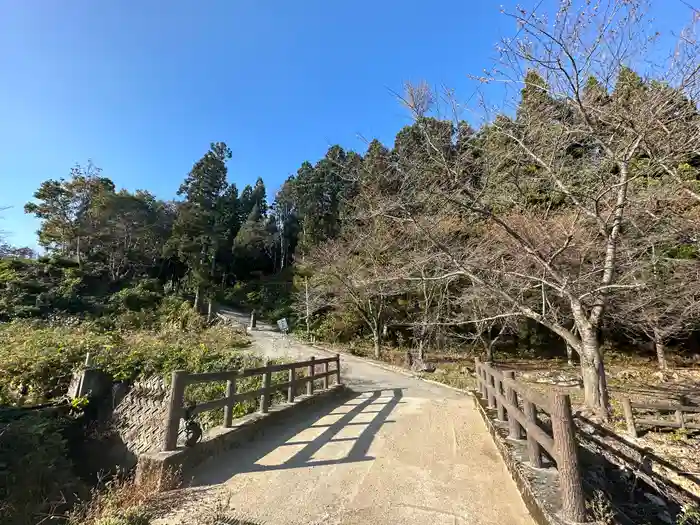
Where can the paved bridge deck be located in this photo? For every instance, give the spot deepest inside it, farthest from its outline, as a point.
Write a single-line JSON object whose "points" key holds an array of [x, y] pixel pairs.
{"points": [[398, 451]]}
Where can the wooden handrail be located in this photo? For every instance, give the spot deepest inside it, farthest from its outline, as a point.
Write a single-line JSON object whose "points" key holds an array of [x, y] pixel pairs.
{"points": [[501, 392], [208, 377], [633, 422], [181, 378]]}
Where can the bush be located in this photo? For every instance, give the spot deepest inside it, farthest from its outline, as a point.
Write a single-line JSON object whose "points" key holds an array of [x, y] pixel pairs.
{"points": [[146, 294], [35, 473], [270, 296], [37, 360]]}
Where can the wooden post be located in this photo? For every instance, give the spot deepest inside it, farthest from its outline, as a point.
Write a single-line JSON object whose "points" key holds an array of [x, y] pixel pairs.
{"points": [[253, 319], [265, 397], [680, 419], [573, 500], [484, 382], [292, 386], [325, 377], [477, 372], [175, 408], [310, 372], [629, 417], [534, 451], [337, 369], [501, 408], [228, 409], [492, 390], [514, 429]]}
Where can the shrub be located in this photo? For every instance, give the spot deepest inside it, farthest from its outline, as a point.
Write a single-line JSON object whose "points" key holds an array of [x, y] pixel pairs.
{"points": [[37, 360], [35, 473]]}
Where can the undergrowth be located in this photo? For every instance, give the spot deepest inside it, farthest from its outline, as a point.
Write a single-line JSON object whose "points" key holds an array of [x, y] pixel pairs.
{"points": [[37, 358]]}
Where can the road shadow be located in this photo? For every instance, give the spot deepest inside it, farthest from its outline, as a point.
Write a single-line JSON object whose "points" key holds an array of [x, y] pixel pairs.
{"points": [[370, 410]]}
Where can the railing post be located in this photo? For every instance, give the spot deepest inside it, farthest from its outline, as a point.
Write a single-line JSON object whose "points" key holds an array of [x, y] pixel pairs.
{"points": [[228, 409], [534, 451], [499, 405], [680, 419], [477, 373], [629, 417], [573, 500], [175, 407], [492, 390], [311, 371], [292, 386], [484, 382], [325, 377], [514, 429], [265, 397], [337, 369]]}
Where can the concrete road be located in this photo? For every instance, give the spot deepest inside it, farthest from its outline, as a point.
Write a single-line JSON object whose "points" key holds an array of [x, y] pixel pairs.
{"points": [[399, 451]]}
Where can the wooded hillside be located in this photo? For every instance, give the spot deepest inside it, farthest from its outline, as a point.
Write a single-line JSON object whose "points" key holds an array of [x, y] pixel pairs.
{"points": [[575, 209]]}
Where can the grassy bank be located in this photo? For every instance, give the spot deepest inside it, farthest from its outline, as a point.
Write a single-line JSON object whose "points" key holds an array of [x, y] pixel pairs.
{"points": [[37, 360]]}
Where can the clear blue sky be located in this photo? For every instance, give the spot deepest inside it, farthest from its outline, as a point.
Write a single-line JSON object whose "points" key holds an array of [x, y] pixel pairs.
{"points": [[142, 87]]}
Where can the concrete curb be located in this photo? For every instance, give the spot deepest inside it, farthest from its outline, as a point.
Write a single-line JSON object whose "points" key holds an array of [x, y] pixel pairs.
{"points": [[391, 368]]}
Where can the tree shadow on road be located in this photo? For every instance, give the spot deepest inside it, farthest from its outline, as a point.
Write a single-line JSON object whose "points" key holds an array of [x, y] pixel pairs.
{"points": [[326, 424]]}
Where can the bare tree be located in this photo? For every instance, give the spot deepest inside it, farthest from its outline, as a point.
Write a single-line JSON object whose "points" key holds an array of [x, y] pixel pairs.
{"points": [[311, 297], [488, 319], [547, 199], [668, 306], [353, 270]]}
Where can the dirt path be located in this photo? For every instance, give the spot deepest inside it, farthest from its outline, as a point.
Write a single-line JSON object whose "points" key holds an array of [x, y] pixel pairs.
{"points": [[399, 451]]}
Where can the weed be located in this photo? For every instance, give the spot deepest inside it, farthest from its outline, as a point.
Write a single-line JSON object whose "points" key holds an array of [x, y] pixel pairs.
{"points": [[600, 509]]}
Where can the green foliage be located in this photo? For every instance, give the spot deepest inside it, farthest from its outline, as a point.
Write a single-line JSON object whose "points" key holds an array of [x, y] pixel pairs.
{"points": [[145, 294], [35, 472], [270, 297], [339, 326], [130, 516], [690, 515], [39, 359]]}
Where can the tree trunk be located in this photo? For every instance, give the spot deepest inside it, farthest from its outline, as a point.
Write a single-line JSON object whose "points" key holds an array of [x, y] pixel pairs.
{"points": [[80, 261], [196, 298], [421, 349], [660, 348], [569, 355], [489, 352], [377, 339], [595, 391], [308, 308]]}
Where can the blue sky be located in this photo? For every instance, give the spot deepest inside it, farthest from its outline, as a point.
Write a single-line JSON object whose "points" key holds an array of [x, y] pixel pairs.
{"points": [[142, 87]]}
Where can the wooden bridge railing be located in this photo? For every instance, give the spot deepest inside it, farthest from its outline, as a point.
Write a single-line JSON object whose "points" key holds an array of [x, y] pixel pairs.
{"points": [[679, 412], [181, 378], [518, 405]]}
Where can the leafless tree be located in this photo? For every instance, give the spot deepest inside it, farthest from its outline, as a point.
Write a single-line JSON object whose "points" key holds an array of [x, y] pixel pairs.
{"points": [[353, 270], [666, 260], [547, 202]]}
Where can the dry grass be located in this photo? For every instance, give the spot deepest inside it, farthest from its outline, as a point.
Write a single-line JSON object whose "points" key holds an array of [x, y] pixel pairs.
{"points": [[122, 501]]}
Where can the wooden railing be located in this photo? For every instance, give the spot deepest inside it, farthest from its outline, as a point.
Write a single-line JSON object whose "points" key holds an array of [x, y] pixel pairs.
{"points": [[519, 405], [180, 380], [679, 412]]}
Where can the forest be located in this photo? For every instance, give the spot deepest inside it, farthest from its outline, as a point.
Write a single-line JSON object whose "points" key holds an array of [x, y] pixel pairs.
{"points": [[575, 211]]}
